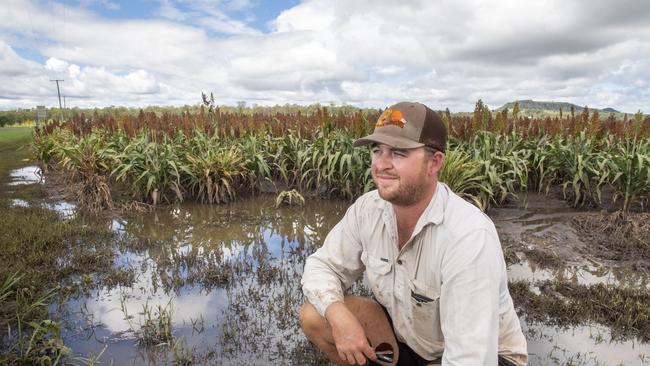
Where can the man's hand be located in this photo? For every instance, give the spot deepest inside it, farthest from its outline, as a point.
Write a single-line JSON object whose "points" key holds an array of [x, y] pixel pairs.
{"points": [[349, 336]]}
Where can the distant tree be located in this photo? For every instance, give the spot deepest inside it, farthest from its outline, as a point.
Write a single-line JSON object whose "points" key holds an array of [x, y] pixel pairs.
{"points": [[560, 112], [4, 120]]}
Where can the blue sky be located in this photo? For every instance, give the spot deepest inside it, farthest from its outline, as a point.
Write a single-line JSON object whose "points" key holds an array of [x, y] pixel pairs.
{"points": [[257, 14], [359, 52]]}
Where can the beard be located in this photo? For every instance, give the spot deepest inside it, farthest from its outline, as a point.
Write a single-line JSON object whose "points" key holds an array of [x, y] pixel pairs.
{"points": [[407, 192]]}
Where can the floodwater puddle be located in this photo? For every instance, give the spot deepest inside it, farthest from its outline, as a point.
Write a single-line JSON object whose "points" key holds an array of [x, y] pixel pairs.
{"points": [[17, 202], [587, 345], [32, 175], [228, 275], [586, 274], [25, 175], [65, 209]]}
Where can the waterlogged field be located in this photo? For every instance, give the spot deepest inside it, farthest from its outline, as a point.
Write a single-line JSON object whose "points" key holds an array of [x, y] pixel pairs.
{"points": [[159, 240]]}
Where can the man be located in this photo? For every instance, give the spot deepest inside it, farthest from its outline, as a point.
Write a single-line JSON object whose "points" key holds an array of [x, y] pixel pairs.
{"points": [[433, 261]]}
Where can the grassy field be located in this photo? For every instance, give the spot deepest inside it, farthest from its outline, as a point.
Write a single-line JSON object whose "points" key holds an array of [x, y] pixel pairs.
{"points": [[12, 135], [14, 148]]}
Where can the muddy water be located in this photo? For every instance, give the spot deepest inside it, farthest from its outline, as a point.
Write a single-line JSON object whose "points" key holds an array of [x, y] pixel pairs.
{"points": [[229, 276]]}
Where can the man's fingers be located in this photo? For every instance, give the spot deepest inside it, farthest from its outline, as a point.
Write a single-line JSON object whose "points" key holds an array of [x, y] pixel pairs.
{"points": [[343, 356], [360, 359], [369, 353], [349, 358]]}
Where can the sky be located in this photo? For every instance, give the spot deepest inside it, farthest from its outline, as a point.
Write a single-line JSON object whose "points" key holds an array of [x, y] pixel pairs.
{"points": [[444, 53]]}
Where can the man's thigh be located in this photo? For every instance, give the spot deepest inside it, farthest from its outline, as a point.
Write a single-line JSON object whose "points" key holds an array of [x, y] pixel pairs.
{"points": [[369, 313]]}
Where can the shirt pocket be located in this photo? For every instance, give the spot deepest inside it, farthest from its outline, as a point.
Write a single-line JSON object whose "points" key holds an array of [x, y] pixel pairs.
{"points": [[378, 271], [425, 312]]}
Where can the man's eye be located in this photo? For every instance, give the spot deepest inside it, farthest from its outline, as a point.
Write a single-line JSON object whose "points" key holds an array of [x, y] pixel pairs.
{"points": [[401, 154]]}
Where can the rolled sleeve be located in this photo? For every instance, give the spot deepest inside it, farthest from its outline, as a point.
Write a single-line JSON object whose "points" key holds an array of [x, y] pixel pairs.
{"points": [[335, 266]]}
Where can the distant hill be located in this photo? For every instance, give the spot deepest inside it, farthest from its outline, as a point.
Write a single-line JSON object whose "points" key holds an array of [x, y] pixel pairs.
{"points": [[541, 109]]}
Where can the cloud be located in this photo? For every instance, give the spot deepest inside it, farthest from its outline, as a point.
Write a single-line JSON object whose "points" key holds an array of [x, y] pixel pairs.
{"points": [[369, 53], [208, 14]]}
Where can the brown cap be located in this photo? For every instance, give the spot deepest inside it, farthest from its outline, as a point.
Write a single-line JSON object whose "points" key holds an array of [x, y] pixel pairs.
{"points": [[408, 125]]}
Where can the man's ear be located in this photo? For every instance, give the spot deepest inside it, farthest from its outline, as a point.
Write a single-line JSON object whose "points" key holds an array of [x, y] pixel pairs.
{"points": [[437, 160]]}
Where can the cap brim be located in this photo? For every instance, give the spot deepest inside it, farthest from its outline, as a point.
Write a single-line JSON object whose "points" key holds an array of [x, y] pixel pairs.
{"points": [[393, 141]]}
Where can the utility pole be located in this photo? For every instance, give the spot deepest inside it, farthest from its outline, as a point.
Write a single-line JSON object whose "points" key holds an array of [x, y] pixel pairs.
{"points": [[59, 92]]}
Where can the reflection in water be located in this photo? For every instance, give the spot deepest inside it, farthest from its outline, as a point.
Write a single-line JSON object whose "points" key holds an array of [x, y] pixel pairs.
{"points": [[25, 175], [231, 273], [65, 209], [583, 345], [232, 276], [584, 274], [17, 202]]}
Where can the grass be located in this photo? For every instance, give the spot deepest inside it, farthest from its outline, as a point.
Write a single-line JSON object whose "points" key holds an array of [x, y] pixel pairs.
{"points": [[12, 135], [14, 148], [42, 254], [155, 326], [290, 198]]}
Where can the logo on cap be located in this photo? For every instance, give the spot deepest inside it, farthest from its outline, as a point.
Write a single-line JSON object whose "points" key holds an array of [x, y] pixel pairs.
{"points": [[391, 117]]}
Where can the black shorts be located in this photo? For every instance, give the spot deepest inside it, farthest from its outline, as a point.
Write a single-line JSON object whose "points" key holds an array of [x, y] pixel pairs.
{"points": [[408, 357]]}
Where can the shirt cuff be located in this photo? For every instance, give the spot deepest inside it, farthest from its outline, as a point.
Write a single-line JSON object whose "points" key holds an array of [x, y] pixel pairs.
{"points": [[322, 299]]}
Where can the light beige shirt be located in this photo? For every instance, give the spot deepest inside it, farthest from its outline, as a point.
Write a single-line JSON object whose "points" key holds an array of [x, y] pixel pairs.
{"points": [[446, 290]]}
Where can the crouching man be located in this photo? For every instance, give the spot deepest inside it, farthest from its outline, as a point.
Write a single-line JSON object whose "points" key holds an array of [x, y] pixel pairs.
{"points": [[433, 261]]}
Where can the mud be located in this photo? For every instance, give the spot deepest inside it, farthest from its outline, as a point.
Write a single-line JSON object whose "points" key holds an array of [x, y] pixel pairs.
{"points": [[623, 238]]}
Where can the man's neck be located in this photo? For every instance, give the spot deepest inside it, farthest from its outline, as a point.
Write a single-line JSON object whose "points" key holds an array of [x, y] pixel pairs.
{"points": [[407, 216]]}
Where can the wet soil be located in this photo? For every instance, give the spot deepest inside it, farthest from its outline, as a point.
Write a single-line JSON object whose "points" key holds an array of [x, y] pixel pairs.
{"points": [[622, 238]]}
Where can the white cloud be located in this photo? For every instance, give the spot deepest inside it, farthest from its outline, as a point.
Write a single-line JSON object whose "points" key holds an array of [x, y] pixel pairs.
{"points": [[371, 53]]}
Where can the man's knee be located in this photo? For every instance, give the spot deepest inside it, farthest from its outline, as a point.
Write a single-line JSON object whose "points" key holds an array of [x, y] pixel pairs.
{"points": [[310, 320]]}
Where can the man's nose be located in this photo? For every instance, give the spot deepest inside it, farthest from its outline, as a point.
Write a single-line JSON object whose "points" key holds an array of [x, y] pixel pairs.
{"points": [[382, 161]]}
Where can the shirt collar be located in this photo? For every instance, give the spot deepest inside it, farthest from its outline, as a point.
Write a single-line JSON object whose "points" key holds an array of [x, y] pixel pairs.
{"points": [[432, 214], [435, 210]]}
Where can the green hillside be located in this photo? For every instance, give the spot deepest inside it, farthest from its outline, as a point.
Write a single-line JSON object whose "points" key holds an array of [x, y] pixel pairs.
{"points": [[550, 109]]}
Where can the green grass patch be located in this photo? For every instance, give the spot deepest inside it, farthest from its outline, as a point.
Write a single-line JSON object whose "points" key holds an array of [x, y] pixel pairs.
{"points": [[47, 250], [14, 149], [13, 135], [44, 257]]}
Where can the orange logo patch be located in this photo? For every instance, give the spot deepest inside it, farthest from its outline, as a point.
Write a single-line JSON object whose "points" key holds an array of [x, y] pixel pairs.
{"points": [[391, 117]]}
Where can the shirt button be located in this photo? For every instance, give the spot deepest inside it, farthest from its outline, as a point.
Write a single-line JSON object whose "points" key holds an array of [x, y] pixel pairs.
{"points": [[399, 261]]}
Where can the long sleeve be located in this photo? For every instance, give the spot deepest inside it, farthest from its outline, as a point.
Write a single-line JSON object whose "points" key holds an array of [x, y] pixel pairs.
{"points": [[335, 266]]}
